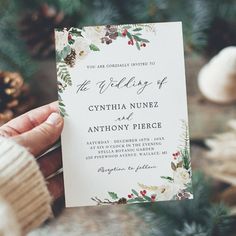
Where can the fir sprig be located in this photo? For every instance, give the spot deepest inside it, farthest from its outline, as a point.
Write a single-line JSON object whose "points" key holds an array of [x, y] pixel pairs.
{"points": [[190, 217], [13, 52], [63, 73]]}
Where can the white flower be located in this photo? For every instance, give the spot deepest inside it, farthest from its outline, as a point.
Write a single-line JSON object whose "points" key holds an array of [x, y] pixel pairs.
{"points": [[61, 38], [181, 177], [81, 47], [166, 192], [94, 34]]}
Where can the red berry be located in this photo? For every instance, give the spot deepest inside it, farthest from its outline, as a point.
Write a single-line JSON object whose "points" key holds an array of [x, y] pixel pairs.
{"points": [[69, 37], [124, 33], [153, 197], [129, 196], [129, 42], [144, 44], [132, 42], [143, 193]]}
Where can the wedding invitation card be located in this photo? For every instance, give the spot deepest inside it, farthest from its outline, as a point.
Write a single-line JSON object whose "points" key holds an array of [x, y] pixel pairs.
{"points": [[122, 93]]}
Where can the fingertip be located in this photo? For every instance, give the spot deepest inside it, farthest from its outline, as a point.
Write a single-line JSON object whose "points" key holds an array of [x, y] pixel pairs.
{"points": [[54, 119], [54, 106]]}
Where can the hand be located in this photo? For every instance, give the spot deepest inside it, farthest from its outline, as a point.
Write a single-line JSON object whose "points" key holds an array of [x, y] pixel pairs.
{"points": [[37, 130]]}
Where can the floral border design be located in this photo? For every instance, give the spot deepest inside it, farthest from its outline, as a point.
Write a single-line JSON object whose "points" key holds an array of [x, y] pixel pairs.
{"points": [[75, 44], [177, 187]]}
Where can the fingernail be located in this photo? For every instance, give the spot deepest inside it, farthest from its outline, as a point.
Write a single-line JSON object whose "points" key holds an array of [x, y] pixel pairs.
{"points": [[54, 119]]}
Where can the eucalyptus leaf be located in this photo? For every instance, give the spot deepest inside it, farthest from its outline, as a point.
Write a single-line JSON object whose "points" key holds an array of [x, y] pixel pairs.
{"points": [[139, 199], [113, 195], [167, 178], [93, 47], [145, 40], [58, 57], [135, 192], [129, 35], [61, 104], [147, 198], [140, 39], [65, 52], [173, 166], [62, 109], [137, 45]]}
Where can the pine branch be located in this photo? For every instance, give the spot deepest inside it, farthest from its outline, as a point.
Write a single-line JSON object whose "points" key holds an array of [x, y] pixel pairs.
{"points": [[69, 7], [13, 53], [192, 230], [63, 73], [219, 222], [62, 109], [99, 12], [190, 217]]}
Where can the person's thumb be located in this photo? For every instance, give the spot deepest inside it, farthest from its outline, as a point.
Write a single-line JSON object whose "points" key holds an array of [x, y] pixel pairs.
{"points": [[40, 138]]}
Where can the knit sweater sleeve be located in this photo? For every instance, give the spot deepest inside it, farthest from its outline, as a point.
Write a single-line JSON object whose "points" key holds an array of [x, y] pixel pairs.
{"points": [[24, 198]]}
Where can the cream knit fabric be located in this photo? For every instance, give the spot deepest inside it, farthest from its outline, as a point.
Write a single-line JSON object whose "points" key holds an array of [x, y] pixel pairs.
{"points": [[24, 198]]}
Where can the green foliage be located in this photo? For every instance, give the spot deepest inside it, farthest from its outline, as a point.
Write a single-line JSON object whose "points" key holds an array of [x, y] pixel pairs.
{"points": [[61, 107], [198, 16], [99, 12], [191, 230], [63, 54], [62, 110], [135, 192], [167, 178], [189, 188], [63, 73], [147, 198], [186, 160], [113, 195], [189, 217], [93, 47], [69, 7], [184, 149], [13, 53]]}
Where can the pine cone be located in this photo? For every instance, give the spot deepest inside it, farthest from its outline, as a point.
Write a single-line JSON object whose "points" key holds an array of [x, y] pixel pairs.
{"points": [[70, 59], [122, 201], [14, 96], [10, 88], [37, 29]]}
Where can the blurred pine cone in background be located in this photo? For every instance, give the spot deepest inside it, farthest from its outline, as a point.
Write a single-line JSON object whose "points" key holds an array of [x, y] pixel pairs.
{"points": [[37, 29], [14, 96]]}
